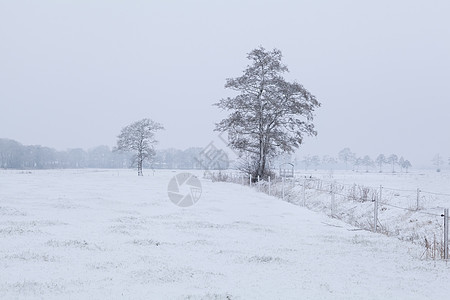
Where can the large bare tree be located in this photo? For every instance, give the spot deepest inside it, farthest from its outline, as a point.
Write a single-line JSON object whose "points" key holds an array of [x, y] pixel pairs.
{"points": [[139, 138], [270, 115]]}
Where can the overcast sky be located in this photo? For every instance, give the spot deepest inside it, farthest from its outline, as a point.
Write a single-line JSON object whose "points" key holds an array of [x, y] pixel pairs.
{"points": [[73, 73]]}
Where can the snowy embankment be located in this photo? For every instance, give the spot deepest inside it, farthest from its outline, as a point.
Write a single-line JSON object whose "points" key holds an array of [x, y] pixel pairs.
{"points": [[410, 207], [111, 234]]}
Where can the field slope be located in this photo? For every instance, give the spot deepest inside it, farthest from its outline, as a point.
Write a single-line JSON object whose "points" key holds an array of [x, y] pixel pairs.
{"points": [[110, 234]]}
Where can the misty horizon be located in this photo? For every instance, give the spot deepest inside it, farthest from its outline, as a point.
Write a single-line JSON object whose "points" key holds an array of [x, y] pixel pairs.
{"points": [[299, 162]]}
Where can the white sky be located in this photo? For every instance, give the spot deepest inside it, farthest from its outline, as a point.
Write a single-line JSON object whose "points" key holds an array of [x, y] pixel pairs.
{"points": [[73, 73]]}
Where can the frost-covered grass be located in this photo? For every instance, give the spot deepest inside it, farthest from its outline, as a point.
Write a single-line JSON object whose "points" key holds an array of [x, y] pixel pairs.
{"points": [[110, 234], [410, 208], [402, 211]]}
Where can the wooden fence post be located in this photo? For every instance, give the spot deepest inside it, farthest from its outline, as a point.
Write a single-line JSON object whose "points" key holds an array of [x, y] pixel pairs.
{"points": [[445, 233], [332, 201], [304, 192], [375, 210], [418, 198]]}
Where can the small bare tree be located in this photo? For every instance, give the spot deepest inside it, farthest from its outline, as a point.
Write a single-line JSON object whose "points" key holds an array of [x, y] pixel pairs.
{"points": [[367, 162], [329, 161], [407, 165], [401, 163], [381, 159], [307, 160], [346, 156], [315, 161], [393, 160], [139, 138], [437, 162]]}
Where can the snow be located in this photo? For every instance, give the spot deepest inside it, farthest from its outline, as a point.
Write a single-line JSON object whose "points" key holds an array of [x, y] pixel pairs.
{"points": [[399, 212], [111, 234]]}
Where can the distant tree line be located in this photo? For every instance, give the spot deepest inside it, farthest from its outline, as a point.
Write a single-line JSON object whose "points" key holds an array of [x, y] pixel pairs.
{"points": [[347, 159], [366, 162], [14, 155], [191, 158]]}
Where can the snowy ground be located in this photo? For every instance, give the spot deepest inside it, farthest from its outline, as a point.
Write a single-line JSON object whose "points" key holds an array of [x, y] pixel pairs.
{"points": [[111, 234], [410, 207]]}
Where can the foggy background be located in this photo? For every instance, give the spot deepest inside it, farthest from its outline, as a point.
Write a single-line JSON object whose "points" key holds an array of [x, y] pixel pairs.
{"points": [[73, 73]]}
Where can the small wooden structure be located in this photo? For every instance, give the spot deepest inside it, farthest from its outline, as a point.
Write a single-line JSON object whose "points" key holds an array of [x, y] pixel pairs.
{"points": [[287, 170]]}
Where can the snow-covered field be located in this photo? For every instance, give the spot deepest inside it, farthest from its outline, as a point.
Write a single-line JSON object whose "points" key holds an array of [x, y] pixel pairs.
{"points": [[110, 234]]}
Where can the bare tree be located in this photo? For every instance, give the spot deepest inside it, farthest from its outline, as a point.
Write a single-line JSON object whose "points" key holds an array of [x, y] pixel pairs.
{"points": [[357, 161], [368, 162], [269, 116], [329, 161], [406, 165], [380, 160], [401, 163], [10, 154], [393, 160], [307, 160], [346, 156], [315, 161], [139, 138], [437, 162]]}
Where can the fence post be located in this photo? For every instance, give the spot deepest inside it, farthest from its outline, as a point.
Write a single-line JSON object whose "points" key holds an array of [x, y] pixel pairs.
{"points": [[375, 210], [332, 200], [257, 184], [417, 200], [304, 192], [250, 180], [269, 186], [282, 190], [445, 233]]}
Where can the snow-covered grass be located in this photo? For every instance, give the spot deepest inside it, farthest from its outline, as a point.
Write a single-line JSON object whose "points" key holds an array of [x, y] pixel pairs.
{"points": [[402, 211], [410, 208], [110, 234]]}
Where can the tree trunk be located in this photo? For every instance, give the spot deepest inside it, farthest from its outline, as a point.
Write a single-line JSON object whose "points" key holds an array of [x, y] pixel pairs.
{"points": [[263, 166], [262, 160], [140, 159]]}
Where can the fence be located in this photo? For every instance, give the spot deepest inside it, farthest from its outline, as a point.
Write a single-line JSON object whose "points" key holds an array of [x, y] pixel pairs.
{"points": [[412, 215]]}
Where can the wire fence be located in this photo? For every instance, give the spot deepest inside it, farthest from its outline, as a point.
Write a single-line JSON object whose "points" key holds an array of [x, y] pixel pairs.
{"points": [[415, 215]]}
